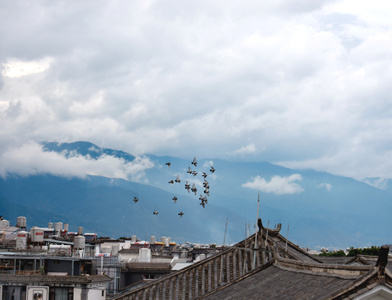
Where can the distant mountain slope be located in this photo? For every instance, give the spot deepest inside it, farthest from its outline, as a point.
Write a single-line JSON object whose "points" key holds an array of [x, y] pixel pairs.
{"points": [[85, 148], [105, 206], [322, 210], [331, 210]]}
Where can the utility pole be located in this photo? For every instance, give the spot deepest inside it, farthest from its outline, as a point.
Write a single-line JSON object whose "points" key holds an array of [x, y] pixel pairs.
{"points": [[224, 239]]}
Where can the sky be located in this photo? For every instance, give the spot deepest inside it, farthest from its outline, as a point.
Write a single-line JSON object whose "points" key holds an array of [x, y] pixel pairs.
{"points": [[303, 84]]}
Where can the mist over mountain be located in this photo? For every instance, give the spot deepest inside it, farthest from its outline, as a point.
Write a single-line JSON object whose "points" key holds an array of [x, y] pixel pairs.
{"points": [[321, 209]]}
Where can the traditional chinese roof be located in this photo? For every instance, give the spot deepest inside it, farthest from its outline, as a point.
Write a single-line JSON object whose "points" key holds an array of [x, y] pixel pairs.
{"points": [[268, 266], [286, 279], [289, 279]]}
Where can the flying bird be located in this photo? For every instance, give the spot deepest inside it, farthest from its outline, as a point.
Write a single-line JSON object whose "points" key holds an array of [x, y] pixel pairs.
{"points": [[204, 174], [135, 199], [203, 200], [194, 173], [189, 170], [187, 186], [212, 170], [207, 192], [177, 179], [171, 181], [155, 212], [180, 214], [194, 189], [168, 164], [175, 199], [205, 184], [194, 162]]}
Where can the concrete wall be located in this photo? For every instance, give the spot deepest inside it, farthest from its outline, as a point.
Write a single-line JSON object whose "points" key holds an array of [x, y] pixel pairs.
{"points": [[90, 294], [42, 290]]}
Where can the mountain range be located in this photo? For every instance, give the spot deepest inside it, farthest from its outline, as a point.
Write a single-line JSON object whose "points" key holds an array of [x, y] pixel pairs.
{"points": [[316, 209]]}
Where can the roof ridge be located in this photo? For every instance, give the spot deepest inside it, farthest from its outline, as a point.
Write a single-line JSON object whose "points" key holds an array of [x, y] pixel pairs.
{"points": [[329, 270]]}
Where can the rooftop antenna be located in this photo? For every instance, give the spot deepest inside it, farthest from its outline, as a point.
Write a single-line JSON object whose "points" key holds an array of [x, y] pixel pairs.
{"points": [[266, 237], [224, 239], [256, 247], [246, 226]]}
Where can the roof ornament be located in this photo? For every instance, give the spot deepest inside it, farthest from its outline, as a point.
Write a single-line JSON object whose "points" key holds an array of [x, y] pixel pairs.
{"points": [[271, 232], [382, 260]]}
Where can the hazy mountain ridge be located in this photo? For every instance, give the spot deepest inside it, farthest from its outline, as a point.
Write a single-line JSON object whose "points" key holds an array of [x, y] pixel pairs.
{"points": [[84, 149], [326, 210]]}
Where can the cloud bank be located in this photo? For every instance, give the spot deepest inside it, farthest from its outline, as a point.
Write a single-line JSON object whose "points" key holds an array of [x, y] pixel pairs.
{"points": [[304, 85], [31, 159], [277, 185]]}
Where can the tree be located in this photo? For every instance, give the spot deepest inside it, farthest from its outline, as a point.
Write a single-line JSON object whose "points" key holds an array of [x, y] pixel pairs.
{"points": [[373, 250]]}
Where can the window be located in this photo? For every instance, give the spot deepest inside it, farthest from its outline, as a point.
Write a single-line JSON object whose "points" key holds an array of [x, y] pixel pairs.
{"points": [[61, 294]]}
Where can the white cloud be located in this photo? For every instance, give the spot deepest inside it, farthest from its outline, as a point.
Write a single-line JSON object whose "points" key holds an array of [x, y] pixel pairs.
{"points": [[30, 159], [325, 185], [380, 183], [303, 85], [244, 150], [18, 68], [277, 185], [208, 164], [91, 106]]}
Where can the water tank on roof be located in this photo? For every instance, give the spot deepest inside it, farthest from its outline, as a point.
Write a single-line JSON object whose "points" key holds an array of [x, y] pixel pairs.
{"points": [[58, 227], [165, 241], [133, 239], [21, 222], [152, 240], [201, 257], [79, 242], [21, 240], [50, 225], [37, 235], [4, 224], [115, 249], [66, 227], [80, 230], [144, 255]]}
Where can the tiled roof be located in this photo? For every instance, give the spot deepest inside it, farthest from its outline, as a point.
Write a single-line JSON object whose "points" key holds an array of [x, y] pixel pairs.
{"points": [[47, 279], [276, 283], [151, 266], [274, 268]]}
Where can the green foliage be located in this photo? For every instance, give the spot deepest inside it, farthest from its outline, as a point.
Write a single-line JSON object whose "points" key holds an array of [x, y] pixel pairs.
{"points": [[41, 270], [332, 253], [373, 250]]}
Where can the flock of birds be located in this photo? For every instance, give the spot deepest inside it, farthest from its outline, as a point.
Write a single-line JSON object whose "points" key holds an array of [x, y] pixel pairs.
{"points": [[203, 198]]}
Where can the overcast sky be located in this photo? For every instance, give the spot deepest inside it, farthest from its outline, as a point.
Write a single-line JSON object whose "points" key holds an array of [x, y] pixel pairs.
{"points": [[305, 84]]}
